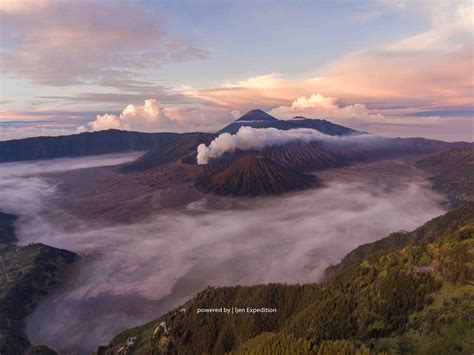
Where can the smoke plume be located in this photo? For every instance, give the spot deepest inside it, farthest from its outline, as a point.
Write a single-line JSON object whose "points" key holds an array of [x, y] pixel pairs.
{"points": [[248, 138]]}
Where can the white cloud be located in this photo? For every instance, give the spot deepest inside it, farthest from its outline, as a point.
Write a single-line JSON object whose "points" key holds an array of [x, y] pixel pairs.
{"points": [[151, 118]]}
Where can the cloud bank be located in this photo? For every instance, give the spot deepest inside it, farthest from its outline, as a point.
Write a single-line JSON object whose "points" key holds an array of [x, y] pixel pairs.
{"points": [[248, 138]]}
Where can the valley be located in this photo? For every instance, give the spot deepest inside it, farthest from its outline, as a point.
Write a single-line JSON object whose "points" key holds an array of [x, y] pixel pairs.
{"points": [[165, 254]]}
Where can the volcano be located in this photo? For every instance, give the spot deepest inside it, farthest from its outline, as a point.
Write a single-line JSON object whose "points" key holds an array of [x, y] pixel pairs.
{"points": [[260, 119], [253, 176], [256, 116]]}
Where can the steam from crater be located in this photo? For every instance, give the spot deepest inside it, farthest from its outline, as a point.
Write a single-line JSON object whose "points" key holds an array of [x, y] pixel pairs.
{"points": [[248, 138]]}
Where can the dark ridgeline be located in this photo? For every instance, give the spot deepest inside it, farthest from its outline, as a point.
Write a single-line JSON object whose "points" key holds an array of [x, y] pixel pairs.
{"points": [[253, 176], [83, 144]]}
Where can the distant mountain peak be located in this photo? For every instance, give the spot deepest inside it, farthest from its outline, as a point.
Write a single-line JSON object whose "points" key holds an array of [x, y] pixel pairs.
{"points": [[257, 115]]}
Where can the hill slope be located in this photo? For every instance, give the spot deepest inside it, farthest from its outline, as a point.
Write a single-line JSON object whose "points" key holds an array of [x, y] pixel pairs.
{"points": [[427, 233], [26, 274], [413, 299], [453, 173], [76, 145], [181, 148], [255, 175]]}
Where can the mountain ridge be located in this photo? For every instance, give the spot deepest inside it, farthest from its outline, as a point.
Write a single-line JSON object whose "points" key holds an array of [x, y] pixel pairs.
{"points": [[116, 141], [260, 119], [82, 144]]}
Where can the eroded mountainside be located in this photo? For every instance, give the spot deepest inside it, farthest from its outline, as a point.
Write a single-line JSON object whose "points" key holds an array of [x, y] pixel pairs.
{"points": [[255, 175], [409, 297]]}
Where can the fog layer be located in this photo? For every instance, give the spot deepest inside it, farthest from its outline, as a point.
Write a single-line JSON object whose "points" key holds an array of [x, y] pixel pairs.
{"points": [[130, 274]]}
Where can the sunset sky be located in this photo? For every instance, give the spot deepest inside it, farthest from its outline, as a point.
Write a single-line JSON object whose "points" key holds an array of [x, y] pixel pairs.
{"points": [[396, 68]]}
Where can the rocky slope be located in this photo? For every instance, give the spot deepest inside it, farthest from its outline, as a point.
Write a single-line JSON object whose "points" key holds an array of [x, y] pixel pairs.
{"points": [[414, 298], [253, 176]]}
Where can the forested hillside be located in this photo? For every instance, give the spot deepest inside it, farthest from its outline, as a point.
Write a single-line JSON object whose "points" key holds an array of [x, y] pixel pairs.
{"points": [[412, 297]]}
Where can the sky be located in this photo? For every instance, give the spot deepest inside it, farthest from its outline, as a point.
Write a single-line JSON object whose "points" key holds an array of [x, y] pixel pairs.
{"points": [[394, 68]]}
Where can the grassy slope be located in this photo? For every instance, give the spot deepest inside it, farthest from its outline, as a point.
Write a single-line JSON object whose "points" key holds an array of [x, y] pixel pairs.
{"points": [[414, 298]]}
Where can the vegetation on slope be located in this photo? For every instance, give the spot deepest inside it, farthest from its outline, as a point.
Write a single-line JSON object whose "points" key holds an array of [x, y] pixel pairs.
{"points": [[411, 298], [26, 274], [253, 176], [453, 173], [436, 228]]}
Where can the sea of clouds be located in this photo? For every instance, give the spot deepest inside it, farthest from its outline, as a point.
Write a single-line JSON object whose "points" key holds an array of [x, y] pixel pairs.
{"points": [[130, 274]]}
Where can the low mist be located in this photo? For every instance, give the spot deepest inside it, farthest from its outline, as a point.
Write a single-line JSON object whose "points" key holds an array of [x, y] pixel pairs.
{"points": [[248, 138], [130, 274]]}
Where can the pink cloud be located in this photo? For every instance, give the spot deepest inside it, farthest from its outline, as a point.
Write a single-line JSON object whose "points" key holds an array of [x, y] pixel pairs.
{"points": [[426, 70], [62, 43]]}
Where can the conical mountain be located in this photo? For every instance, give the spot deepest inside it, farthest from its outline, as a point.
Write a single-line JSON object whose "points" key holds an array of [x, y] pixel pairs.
{"points": [[255, 175], [257, 115]]}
